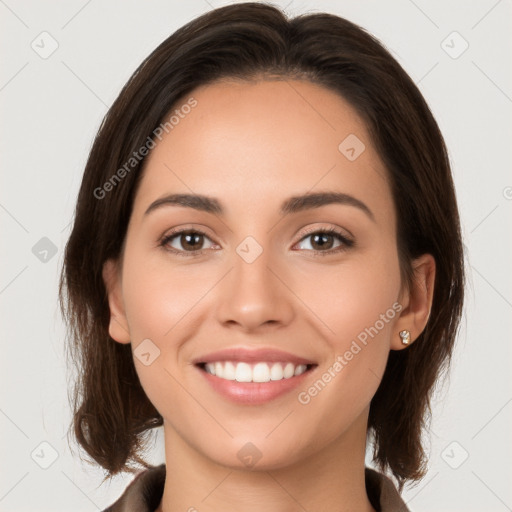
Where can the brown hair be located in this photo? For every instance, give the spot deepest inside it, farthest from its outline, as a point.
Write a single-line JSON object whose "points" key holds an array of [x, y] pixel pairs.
{"points": [[252, 41]]}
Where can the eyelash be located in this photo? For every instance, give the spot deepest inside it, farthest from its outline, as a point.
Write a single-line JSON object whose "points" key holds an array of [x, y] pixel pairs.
{"points": [[347, 243]]}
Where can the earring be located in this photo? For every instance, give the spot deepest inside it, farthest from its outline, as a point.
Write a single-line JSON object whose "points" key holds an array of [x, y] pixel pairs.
{"points": [[405, 336]]}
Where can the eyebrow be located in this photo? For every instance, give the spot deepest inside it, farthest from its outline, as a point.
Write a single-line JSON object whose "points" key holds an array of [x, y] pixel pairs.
{"points": [[291, 205]]}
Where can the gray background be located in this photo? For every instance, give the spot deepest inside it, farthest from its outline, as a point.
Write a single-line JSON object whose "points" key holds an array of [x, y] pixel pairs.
{"points": [[51, 107]]}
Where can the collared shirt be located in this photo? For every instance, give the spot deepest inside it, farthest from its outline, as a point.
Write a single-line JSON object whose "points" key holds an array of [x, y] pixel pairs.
{"points": [[145, 492]]}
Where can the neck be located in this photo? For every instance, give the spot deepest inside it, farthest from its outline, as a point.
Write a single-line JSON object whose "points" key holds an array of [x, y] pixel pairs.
{"points": [[331, 479]]}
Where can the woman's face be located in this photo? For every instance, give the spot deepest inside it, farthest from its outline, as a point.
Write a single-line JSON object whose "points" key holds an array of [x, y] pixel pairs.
{"points": [[255, 289]]}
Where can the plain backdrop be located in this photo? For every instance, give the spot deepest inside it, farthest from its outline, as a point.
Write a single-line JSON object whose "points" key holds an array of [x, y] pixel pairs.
{"points": [[459, 54]]}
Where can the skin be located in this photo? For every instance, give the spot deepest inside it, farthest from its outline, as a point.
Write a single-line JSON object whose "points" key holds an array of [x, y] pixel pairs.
{"points": [[251, 146]]}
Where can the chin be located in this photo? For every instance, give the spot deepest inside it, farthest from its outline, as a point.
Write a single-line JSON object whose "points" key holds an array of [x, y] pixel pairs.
{"points": [[253, 454]]}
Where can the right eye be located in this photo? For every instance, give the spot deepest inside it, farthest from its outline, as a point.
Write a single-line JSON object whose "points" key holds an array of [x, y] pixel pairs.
{"points": [[190, 240]]}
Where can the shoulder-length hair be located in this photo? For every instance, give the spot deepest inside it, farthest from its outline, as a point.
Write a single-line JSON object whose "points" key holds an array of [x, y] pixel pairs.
{"points": [[249, 42]]}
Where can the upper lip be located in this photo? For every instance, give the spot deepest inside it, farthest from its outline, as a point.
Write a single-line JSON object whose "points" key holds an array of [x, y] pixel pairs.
{"points": [[242, 354]]}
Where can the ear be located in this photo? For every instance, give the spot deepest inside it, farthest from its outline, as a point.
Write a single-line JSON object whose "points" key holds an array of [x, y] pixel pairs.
{"points": [[416, 301], [118, 326]]}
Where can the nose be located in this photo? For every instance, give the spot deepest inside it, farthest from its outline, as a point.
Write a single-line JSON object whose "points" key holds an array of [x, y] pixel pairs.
{"points": [[254, 295]]}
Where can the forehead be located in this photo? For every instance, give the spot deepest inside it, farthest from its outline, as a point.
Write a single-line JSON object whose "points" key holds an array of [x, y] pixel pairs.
{"points": [[249, 142]]}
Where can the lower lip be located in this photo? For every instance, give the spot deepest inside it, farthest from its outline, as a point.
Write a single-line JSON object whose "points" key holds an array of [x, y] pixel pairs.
{"points": [[254, 393]]}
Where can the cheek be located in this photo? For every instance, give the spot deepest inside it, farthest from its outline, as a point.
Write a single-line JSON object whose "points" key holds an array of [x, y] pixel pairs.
{"points": [[158, 296], [359, 348], [354, 300], [158, 303], [358, 308]]}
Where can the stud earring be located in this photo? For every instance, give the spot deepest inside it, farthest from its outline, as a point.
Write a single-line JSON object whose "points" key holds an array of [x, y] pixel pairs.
{"points": [[405, 336]]}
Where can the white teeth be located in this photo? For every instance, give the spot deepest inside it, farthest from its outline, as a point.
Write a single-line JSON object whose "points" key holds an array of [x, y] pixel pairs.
{"points": [[300, 369], [259, 372], [243, 372], [229, 371], [276, 372], [289, 369]]}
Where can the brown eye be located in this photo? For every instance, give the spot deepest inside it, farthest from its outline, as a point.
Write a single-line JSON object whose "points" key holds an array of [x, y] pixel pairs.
{"points": [[191, 241], [324, 241]]}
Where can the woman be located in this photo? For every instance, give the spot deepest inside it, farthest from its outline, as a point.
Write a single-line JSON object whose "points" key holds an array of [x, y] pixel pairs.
{"points": [[266, 260]]}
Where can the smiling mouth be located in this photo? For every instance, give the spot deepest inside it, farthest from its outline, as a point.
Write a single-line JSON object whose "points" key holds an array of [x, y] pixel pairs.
{"points": [[257, 372]]}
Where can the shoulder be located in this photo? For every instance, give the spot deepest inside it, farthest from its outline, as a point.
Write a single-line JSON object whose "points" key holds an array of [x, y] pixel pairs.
{"points": [[382, 493], [143, 493]]}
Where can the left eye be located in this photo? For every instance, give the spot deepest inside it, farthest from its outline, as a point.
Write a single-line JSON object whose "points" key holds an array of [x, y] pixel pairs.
{"points": [[323, 241]]}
